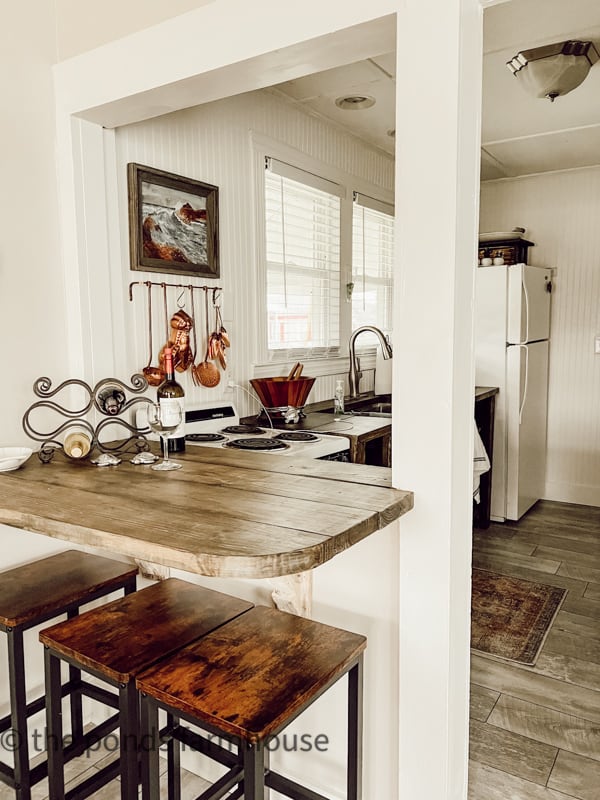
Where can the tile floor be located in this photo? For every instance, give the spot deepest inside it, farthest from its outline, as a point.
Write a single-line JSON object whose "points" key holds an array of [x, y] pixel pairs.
{"points": [[81, 768], [535, 731]]}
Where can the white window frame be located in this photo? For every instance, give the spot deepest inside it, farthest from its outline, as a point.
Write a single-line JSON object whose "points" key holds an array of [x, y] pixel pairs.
{"points": [[270, 363], [366, 202], [316, 192]]}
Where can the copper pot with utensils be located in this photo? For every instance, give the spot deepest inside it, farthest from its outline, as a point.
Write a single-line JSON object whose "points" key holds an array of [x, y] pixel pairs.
{"points": [[284, 392]]}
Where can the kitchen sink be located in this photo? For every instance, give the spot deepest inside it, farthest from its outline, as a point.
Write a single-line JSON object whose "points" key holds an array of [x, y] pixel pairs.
{"points": [[365, 413], [367, 407], [376, 408]]}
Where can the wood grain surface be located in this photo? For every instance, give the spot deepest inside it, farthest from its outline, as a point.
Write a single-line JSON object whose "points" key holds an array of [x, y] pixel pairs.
{"points": [[527, 718], [223, 514], [49, 585], [250, 676], [121, 638]]}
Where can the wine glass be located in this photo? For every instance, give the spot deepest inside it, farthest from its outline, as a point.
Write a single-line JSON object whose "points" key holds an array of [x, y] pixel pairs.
{"points": [[162, 420]]}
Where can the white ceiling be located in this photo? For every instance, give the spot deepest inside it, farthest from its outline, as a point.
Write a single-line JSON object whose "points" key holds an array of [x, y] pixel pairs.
{"points": [[520, 134]]}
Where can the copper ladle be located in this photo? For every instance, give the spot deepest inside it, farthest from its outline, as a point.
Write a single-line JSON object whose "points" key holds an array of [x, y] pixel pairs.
{"points": [[154, 375], [206, 372], [193, 366]]}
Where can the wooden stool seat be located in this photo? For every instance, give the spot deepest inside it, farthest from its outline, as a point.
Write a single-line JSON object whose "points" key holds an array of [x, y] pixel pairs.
{"points": [[119, 639], [36, 592], [247, 681], [115, 642], [31, 595]]}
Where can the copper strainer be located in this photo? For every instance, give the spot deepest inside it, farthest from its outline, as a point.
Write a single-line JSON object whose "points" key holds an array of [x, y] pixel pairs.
{"points": [[207, 372]]}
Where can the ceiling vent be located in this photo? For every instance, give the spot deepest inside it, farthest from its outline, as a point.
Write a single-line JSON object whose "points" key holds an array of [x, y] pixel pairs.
{"points": [[355, 102]]}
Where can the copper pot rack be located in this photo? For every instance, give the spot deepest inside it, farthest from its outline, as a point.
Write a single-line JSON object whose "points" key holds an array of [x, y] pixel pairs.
{"points": [[163, 284]]}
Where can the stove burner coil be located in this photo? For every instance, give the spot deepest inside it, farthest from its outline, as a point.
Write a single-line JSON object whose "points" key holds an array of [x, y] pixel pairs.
{"points": [[256, 444], [205, 437], [243, 429], [297, 436]]}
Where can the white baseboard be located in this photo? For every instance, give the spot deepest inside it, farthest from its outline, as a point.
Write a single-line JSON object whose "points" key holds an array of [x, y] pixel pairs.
{"points": [[580, 494]]}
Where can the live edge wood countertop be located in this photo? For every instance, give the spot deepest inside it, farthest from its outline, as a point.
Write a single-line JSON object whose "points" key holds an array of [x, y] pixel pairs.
{"points": [[224, 514]]}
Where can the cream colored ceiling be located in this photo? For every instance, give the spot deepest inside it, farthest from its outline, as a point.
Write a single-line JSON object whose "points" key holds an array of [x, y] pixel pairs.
{"points": [[373, 77], [520, 134]]}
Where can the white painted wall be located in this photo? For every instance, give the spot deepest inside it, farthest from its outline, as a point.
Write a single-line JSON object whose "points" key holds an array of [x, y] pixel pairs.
{"points": [[32, 299], [32, 303], [220, 143], [561, 211], [75, 34]]}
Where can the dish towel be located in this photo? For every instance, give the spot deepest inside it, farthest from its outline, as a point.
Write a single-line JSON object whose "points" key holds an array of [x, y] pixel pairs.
{"points": [[481, 462]]}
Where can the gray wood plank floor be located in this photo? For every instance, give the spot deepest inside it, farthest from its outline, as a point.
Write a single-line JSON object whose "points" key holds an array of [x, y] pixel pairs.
{"points": [[535, 731]]}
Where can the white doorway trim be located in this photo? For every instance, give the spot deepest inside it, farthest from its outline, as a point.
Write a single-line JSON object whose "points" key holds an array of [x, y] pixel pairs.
{"points": [[163, 68]]}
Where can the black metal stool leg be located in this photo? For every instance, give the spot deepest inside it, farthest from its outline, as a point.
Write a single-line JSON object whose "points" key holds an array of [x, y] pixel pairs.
{"points": [[129, 740], [75, 698], [149, 743], [254, 770], [54, 746], [18, 712], [355, 727], [174, 764]]}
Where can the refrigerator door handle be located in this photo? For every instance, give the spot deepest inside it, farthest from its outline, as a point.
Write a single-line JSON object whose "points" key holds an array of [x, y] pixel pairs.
{"points": [[526, 298], [524, 398]]}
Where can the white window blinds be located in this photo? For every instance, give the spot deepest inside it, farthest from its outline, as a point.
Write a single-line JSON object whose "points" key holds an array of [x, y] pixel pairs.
{"points": [[302, 215], [372, 263]]}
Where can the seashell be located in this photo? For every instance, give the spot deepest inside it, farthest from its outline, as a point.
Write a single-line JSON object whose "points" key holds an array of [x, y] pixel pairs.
{"points": [[106, 460], [145, 457]]}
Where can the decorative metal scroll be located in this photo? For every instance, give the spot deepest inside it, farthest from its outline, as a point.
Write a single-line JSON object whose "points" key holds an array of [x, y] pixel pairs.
{"points": [[108, 397]]}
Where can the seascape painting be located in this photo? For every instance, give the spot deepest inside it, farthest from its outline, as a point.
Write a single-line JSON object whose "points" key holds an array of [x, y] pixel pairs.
{"points": [[173, 223]]}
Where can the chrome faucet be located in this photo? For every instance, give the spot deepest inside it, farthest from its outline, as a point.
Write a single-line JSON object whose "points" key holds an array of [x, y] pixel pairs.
{"points": [[355, 374]]}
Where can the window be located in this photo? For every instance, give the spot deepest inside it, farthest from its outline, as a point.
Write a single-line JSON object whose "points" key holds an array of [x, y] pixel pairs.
{"points": [[302, 214], [372, 263], [317, 244]]}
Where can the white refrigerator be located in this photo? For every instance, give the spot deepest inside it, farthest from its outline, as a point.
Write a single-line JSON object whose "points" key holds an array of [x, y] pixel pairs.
{"points": [[512, 332]]}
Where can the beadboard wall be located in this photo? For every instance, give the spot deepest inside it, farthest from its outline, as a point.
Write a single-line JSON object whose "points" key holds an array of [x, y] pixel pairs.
{"points": [[561, 212], [214, 143]]}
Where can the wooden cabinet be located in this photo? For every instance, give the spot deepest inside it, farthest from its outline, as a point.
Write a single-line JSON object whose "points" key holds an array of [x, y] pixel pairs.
{"points": [[485, 401], [373, 447], [513, 251]]}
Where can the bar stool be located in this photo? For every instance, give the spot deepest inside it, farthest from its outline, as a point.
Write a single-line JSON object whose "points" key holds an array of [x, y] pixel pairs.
{"points": [[114, 643], [31, 595], [244, 683]]}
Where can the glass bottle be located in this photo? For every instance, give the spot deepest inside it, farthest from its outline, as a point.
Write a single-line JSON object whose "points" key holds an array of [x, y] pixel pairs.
{"points": [[170, 393], [77, 444], [338, 400]]}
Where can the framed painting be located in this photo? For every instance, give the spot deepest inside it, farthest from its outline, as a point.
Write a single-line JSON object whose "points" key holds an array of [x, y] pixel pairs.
{"points": [[173, 223]]}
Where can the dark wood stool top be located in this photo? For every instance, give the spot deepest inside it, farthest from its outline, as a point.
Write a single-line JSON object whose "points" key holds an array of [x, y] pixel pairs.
{"points": [[121, 638], [250, 676], [46, 587]]}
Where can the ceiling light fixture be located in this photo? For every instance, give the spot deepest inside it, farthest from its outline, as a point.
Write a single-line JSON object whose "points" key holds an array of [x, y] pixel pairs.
{"points": [[355, 102], [554, 69]]}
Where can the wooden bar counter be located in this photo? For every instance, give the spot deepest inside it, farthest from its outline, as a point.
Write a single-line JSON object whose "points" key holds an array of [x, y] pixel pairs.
{"points": [[224, 514]]}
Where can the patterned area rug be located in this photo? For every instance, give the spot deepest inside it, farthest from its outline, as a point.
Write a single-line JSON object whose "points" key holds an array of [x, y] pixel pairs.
{"points": [[511, 617]]}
